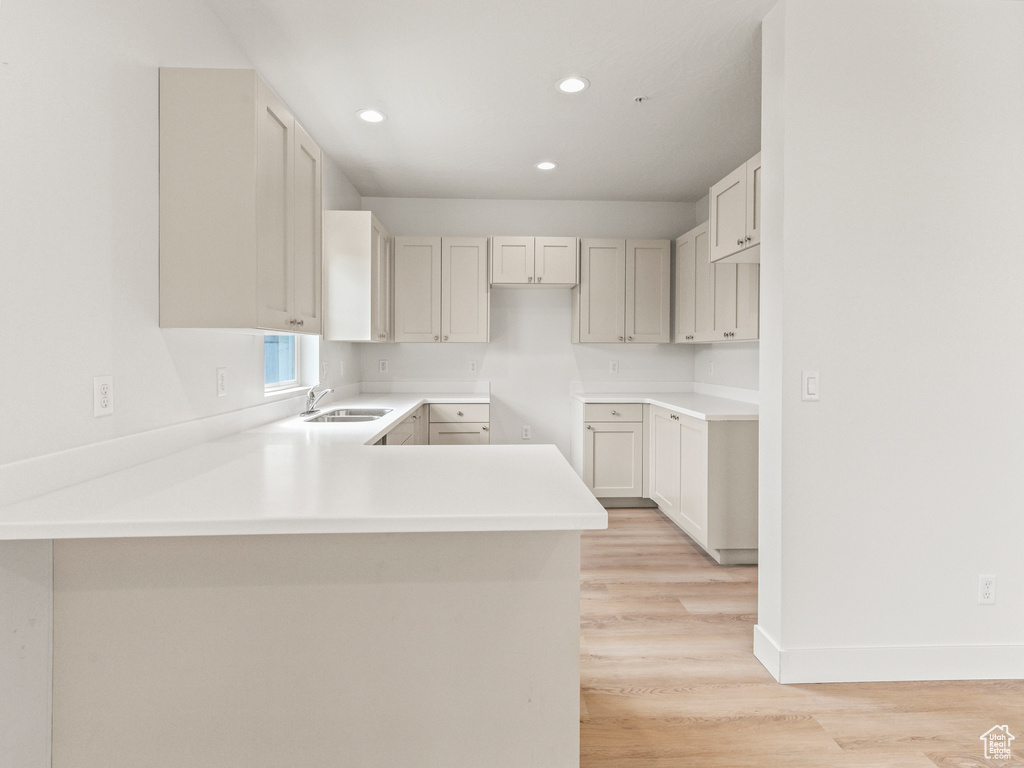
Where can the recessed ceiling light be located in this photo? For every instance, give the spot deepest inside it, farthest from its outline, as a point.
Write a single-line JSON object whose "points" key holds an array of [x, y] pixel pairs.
{"points": [[547, 165], [573, 84], [372, 115]]}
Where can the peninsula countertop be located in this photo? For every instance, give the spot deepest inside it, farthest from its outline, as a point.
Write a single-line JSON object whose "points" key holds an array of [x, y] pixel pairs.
{"points": [[294, 477]]}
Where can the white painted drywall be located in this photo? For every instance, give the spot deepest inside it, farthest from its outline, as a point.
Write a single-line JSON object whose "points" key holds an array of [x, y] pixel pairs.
{"points": [[893, 163], [79, 294], [530, 361]]}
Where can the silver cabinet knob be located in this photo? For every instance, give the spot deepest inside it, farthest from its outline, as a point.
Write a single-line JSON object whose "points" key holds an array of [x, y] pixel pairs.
{"points": [[589, 426], [620, 338], [726, 334], [674, 417], [445, 339], [747, 240], [459, 413], [615, 413], [485, 428], [435, 338], [300, 322], [740, 241], [529, 279], [629, 338], [540, 278]]}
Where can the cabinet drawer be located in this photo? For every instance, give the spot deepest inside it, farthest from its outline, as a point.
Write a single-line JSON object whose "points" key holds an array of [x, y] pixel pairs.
{"points": [[613, 412], [459, 434], [459, 412]]}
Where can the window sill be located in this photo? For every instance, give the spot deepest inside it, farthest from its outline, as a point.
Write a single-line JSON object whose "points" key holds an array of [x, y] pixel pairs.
{"points": [[289, 392]]}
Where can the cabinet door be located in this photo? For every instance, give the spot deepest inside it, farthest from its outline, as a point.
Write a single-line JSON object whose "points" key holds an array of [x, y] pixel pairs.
{"points": [[308, 233], [648, 291], [274, 240], [557, 260], [664, 460], [736, 301], [512, 260], [465, 305], [380, 283], [417, 289], [753, 202], [459, 434], [693, 305], [692, 514], [728, 224], [602, 291], [421, 435], [613, 458]]}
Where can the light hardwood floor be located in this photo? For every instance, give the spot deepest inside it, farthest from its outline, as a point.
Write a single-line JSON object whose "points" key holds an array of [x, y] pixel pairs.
{"points": [[668, 678]]}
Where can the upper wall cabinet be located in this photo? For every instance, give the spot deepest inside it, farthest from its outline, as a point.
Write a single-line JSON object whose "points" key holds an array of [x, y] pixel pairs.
{"points": [[543, 261], [714, 302], [735, 226], [357, 277], [441, 292], [240, 206], [624, 293]]}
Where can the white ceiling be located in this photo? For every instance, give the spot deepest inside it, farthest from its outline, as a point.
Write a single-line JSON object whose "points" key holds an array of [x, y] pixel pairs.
{"points": [[469, 90]]}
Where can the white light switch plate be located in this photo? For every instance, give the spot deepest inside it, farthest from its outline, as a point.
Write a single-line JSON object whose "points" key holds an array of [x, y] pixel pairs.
{"points": [[810, 390]]}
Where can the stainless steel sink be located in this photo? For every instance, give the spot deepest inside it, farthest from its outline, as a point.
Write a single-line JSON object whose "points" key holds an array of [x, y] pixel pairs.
{"points": [[351, 414]]}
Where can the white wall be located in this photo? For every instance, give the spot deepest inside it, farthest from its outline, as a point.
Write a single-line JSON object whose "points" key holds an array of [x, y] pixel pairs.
{"points": [[895, 127], [79, 260], [530, 360]]}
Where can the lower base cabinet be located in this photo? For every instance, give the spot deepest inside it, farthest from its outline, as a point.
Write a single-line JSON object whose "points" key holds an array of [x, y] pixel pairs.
{"points": [[460, 424], [613, 449], [412, 430], [703, 476]]}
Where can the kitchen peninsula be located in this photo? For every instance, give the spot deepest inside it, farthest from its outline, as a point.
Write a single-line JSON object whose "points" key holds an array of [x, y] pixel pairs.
{"points": [[291, 595]]}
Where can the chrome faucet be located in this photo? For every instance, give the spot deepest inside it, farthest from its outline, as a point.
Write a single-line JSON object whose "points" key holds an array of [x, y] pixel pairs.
{"points": [[312, 398]]}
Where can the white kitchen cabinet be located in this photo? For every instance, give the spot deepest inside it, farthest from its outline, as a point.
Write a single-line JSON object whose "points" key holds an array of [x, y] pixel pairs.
{"points": [[613, 450], [693, 310], [441, 289], [713, 302], [240, 206], [357, 277], [624, 293], [542, 261], [460, 424], [735, 225], [703, 476]]}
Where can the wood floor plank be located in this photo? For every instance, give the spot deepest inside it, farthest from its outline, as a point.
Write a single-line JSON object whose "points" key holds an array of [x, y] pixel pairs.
{"points": [[668, 677]]}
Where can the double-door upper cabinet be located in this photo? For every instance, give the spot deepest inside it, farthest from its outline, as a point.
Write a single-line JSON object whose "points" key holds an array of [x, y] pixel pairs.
{"points": [[735, 224], [441, 289], [357, 277], [544, 261], [625, 292], [714, 302], [240, 206]]}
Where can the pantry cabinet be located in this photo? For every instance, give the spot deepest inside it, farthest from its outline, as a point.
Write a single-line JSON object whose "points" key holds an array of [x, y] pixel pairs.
{"points": [[735, 224], [357, 277], [542, 261], [713, 302], [240, 206], [624, 293], [613, 449], [441, 289]]}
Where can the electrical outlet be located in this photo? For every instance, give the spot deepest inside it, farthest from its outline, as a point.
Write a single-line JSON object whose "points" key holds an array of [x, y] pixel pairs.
{"points": [[473, 366], [222, 382], [986, 590], [526, 432], [383, 365], [613, 366], [102, 395]]}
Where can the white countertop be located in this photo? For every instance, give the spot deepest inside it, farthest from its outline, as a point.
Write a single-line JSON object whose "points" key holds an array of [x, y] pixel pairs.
{"points": [[698, 406], [295, 477]]}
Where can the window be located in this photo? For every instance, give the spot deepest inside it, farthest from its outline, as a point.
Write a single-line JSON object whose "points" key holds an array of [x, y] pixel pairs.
{"points": [[280, 362]]}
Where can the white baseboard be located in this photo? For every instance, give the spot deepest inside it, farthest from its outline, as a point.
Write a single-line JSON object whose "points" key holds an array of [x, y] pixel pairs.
{"points": [[890, 663]]}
